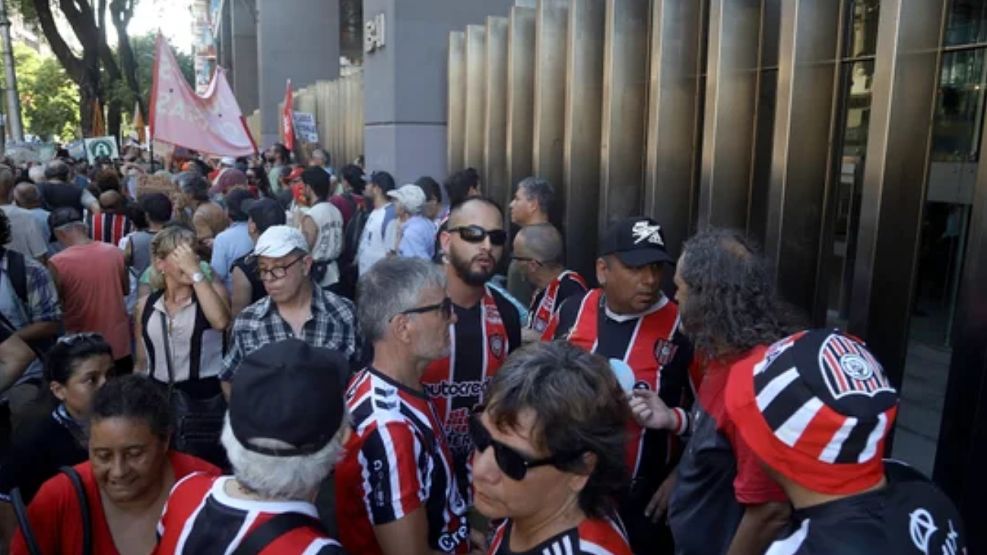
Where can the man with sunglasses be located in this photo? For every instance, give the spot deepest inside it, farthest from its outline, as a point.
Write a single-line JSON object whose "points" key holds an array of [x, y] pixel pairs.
{"points": [[294, 308], [538, 255], [487, 326], [630, 321], [396, 493]]}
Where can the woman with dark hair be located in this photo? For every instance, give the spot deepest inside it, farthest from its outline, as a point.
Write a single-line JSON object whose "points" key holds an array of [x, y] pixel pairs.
{"points": [[549, 456], [125, 483], [723, 501]]}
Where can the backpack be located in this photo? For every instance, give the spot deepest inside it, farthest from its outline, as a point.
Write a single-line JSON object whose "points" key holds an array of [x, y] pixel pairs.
{"points": [[348, 271]]}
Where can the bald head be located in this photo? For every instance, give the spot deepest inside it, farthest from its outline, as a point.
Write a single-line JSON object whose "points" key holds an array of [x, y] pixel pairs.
{"points": [[466, 212], [26, 195], [543, 243]]}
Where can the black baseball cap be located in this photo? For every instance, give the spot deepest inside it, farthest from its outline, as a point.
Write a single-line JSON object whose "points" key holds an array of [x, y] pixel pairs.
{"points": [[235, 200], [63, 216], [636, 241], [265, 212], [289, 391]]}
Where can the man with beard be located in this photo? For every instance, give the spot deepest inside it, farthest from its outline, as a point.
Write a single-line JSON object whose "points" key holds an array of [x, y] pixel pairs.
{"points": [[630, 321], [488, 326]]}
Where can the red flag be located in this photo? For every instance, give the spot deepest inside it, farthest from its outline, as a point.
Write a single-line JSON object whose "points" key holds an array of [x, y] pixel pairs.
{"points": [[287, 121], [210, 124]]}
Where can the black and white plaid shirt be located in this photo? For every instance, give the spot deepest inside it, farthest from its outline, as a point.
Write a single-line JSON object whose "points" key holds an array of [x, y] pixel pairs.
{"points": [[332, 326]]}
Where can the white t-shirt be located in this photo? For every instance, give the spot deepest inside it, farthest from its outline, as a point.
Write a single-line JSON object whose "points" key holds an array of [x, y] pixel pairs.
{"points": [[374, 245], [329, 242]]}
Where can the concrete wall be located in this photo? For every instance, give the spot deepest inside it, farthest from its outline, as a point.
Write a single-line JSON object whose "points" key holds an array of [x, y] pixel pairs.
{"points": [[297, 40], [242, 23], [405, 82]]}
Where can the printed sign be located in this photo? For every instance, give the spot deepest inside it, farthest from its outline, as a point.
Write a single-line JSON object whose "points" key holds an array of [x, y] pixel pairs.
{"points": [[305, 128], [98, 147]]}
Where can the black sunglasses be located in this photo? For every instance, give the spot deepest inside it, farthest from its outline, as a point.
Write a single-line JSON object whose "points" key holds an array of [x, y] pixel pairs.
{"points": [[514, 465], [475, 234], [444, 307]]}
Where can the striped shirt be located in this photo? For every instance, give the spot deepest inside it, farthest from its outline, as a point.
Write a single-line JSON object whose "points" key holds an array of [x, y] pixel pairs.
{"points": [[108, 227], [591, 537], [396, 462], [200, 517]]}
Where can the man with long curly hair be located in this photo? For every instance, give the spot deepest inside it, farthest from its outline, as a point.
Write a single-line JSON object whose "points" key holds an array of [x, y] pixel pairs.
{"points": [[723, 501]]}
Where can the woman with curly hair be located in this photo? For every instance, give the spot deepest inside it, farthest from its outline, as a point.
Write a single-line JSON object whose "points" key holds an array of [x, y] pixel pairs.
{"points": [[723, 500], [549, 453]]}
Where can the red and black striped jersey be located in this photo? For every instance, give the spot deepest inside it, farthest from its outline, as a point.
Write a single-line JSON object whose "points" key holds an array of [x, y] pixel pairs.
{"points": [[108, 227], [200, 517], [396, 462], [591, 537]]}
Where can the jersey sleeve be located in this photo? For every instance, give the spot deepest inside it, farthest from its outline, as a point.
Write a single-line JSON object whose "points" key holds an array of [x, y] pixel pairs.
{"points": [[393, 483], [512, 320]]}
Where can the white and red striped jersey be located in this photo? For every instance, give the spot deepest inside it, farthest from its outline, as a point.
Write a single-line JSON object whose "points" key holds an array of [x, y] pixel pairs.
{"points": [[592, 537], [200, 517], [396, 462]]}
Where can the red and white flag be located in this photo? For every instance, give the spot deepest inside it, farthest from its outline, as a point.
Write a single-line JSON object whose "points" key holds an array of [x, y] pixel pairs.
{"points": [[287, 119], [210, 124]]}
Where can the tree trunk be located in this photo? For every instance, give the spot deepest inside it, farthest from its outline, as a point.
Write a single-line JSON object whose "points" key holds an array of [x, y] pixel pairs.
{"points": [[113, 118]]}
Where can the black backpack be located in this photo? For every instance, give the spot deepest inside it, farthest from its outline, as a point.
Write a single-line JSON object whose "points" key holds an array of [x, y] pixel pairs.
{"points": [[348, 270]]}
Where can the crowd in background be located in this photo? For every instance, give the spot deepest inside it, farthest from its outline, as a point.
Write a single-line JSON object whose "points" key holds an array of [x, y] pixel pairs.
{"points": [[255, 355]]}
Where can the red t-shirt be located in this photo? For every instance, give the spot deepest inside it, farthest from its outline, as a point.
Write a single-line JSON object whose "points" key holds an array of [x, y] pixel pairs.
{"points": [[201, 517], [56, 519]]}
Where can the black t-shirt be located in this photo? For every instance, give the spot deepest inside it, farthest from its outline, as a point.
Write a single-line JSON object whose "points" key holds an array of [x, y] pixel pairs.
{"points": [[59, 195], [909, 516], [38, 452], [248, 265]]}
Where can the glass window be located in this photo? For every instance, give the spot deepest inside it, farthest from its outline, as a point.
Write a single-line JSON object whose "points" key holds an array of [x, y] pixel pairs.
{"points": [[959, 107], [966, 22], [861, 29]]}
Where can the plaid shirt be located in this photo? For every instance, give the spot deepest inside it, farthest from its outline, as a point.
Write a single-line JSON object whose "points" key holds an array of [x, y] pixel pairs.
{"points": [[332, 326], [42, 297]]}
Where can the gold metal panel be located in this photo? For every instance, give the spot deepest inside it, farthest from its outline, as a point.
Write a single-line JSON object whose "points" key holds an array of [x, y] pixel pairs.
{"points": [[581, 150], [495, 137], [893, 195], [728, 123], [669, 172], [520, 95], [551, 21], [625, 85], [800, 159], [476, 96], [456, 101]]}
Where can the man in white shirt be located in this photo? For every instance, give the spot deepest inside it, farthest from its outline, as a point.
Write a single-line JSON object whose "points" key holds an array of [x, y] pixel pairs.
{"points": [[379, 231]]}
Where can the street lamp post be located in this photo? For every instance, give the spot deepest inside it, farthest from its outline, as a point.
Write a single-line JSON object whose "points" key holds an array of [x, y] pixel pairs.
{"points": [[13, 101]]}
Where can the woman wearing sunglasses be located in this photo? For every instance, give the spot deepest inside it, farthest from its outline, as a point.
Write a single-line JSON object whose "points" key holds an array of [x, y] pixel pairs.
{"points": [[549, 453]]}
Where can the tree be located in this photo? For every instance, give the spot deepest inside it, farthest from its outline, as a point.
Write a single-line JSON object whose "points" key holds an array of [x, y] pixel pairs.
{"points": [[49, 99]]}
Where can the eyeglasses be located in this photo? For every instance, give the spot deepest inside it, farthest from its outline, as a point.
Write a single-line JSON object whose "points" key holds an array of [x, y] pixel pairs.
{"points": [[514, 465], [525, 259], [476, 234], [276, 272], [444, 307]]}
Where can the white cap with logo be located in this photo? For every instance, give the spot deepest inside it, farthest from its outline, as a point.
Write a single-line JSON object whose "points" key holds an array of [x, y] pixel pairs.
{"points": [[280, 240]]}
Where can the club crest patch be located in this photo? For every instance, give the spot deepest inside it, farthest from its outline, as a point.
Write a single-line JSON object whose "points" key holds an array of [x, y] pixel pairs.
{"points": [[849, 369], [665, 351], [497, 345]]}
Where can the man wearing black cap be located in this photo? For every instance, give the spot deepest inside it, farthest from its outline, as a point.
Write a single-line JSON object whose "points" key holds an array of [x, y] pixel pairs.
{"points": [[630, 321], [816, 409], [247, 285], [283, 434]]}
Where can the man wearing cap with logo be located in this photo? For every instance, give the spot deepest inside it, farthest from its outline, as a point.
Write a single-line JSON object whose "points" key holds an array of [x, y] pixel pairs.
{"points": [[247, 285], [539, 256], [416, 233], [294, 308], [630, 321], [816, 409], [396, 493], [487, 326], [283, 433]]}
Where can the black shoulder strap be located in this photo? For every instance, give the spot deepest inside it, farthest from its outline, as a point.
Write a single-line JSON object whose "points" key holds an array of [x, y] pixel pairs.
{"points": [[279, 525], [80, 492], [20, 511], [17, 270]]}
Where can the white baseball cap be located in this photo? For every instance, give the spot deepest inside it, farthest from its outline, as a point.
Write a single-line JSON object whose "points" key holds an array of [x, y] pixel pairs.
{"points": [[410, 196], [280, 240]]}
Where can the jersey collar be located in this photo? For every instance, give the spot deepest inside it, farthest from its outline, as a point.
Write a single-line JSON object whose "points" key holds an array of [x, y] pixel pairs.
{"points": [[660, 304]]}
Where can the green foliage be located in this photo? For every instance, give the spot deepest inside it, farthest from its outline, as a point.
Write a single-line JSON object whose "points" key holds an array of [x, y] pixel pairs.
{"points": [[49, 99]]}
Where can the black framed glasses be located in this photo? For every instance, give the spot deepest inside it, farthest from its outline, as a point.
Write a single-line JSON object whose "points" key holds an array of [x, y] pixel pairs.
{"points": [[476, 234], [514, 465], [444, 307], [276, 272]]}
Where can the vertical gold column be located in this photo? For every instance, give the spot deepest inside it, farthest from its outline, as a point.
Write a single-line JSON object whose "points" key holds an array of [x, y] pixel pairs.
{"points": [[581, 148], [669, 179], [800, 157], [520, 95], [456, 101], [476, 96], [893, 194], [728, 122], [495, 134], [625, 85], [551, 20]]}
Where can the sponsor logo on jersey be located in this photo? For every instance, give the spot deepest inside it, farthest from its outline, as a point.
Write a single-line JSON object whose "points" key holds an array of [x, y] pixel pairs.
{"points": [[456, 389]]}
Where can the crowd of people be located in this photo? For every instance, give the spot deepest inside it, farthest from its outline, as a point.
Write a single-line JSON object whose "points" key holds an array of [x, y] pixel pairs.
{"points": [[266, 357]]}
